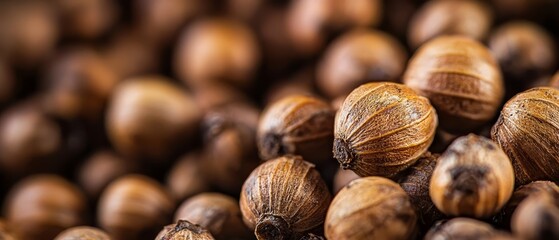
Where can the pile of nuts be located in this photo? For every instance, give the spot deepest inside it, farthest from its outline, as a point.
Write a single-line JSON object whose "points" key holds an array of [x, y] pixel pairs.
{"points": [[279, 119]]}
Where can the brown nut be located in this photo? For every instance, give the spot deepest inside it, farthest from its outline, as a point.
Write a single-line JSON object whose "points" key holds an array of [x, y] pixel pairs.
{"points": [[555, 81], [186, 178], [41, 206], [78, 84], [299, 125], [415, 182], [371, 208], [151, 118], [214, 96], [383, 128], [87, 19], [5, 232], [473, 177], [217, 50], [269, 193], [343, 178], [461, 17], [277, 46], [461, 79], [83, 233], [537, 217], [460, 229], [358, 57], [134, 207], [218, 213], [524, 50], [184, 230], [527, 131]]}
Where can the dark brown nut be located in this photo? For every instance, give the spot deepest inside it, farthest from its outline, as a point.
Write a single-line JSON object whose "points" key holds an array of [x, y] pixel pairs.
{"points": [[100, 169], [218, 213], [83, 233], [78, 84], [473, 177], [217, 50], [7, 83], [230, 152], [5, 233], [358, 57], [41, 206], [269, 195], [524, 50], [87, 19], [186, 177], [383, 128], [214, 96], [151, 118], [461, 229], [371, 208], [29, 140], [245, 9], [461, 79], [299, 125], [415, 182], [134, 207], [461, 17], [343, 178], [29, 32], [527, 131], [184, 230], [555, 81], [537, 217], [503, 219]]}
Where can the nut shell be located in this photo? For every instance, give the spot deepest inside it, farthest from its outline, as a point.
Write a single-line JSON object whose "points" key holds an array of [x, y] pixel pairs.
{"points": [[184, 230], [269, 193], [537, 217], [460, 228], [383, 128], [186, 178], [461, 79], [473, 177], [83, 233], [371, 208], [527, 131]]}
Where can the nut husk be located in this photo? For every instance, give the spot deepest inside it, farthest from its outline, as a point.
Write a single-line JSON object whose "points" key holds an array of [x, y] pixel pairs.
{"points": [[216, 212], [184, 230], [358, 57], [383, 128], [41, 206], [473, 177], [461, 79], [527, 131], [371, 208], [537, 217], [83, 233], [134, 207], [461, 229], [269, 193], [299, 125], [186, 178]]}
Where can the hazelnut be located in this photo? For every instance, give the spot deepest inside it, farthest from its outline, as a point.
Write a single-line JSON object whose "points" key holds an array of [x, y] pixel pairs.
{"points": [[134, 207], [83, 233], [537, 217], [461, 17], [460, 228], [555, 81], [284, 198], [41, 206], [383, 128], [461, 79], [184, 230], [527, 131], [343, 178], [87, 19], [473, 177], [299, 125], [217, 50], [218, 213], [371, 208], [524, 50], [186, 177], [77, 84], [358, 57], [151, 118]]}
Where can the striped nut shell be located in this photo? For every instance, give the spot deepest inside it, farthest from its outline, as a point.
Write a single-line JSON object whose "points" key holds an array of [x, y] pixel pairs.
{"points": [[461, 79], [383, 128], [528, 131]]}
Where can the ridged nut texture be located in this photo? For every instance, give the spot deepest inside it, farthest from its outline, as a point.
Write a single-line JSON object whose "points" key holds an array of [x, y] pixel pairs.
{"points": [[371, 208], [473, 177], [527, 130], [383, 128], [284, 198], [461, 79], [184, 230]]}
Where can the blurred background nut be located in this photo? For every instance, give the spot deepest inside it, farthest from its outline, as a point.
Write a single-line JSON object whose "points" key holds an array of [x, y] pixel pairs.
{"points": [[86, 19], [184, 230], [537, 217], [342, 178], [186, 177], [460, 228], [555, 81], [5, 232], [83, 233], [8, 83], [41, 206]]}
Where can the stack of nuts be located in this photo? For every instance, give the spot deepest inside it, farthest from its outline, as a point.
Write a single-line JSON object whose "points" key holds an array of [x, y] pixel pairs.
{"points": [[279, 119]]}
